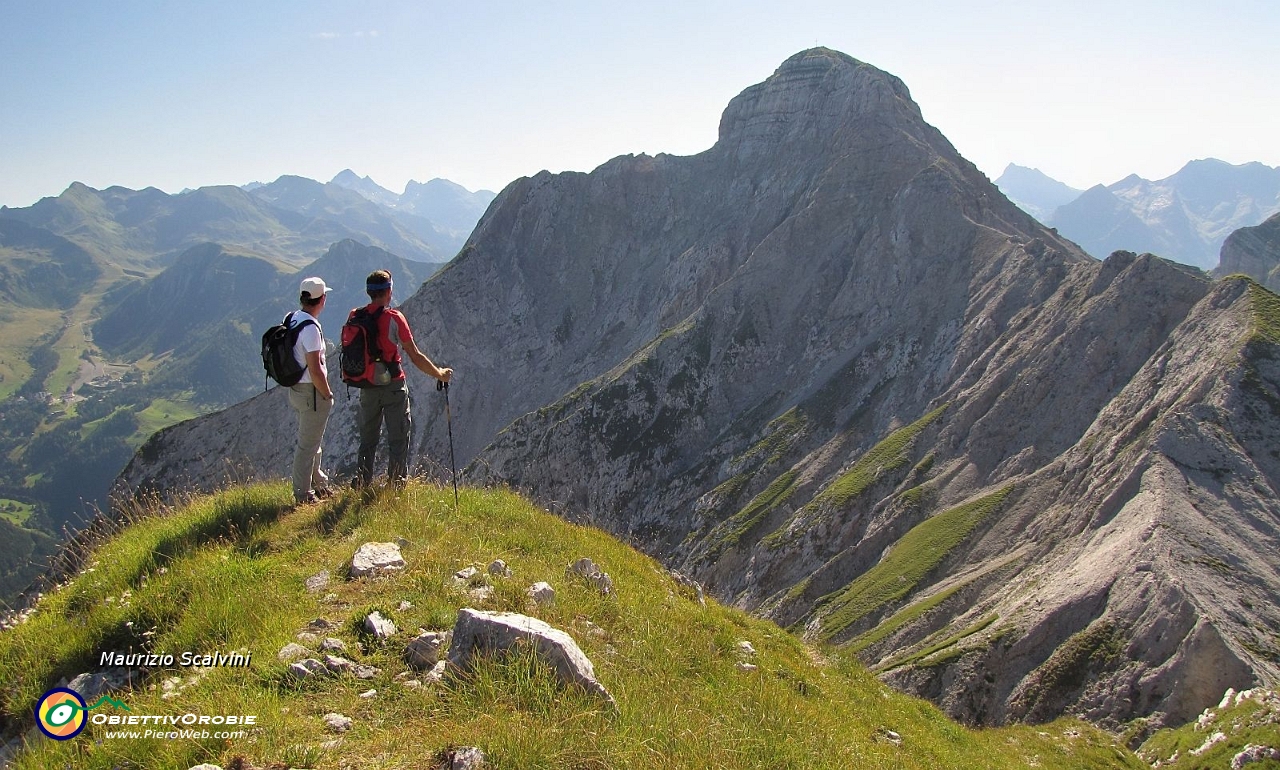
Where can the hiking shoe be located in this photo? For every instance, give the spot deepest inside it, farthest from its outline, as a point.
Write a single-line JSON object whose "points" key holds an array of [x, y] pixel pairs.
{"points": [[306, 499], [324, 493]]}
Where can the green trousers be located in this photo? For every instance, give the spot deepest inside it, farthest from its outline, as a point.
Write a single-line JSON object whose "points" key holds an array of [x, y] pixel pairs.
{"points": [[389, 403]]}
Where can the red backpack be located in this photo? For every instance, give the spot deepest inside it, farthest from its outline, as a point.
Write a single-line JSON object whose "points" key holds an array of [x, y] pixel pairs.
{"points": [[360, 348]]}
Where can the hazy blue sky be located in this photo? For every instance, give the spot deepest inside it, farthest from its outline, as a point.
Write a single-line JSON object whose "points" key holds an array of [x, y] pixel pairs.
{"points": [[180, 94]]}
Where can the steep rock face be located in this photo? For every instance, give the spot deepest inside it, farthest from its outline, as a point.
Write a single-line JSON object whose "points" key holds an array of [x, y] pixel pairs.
{"points": [[1254, 251], [1139, 555], [828, 369]]}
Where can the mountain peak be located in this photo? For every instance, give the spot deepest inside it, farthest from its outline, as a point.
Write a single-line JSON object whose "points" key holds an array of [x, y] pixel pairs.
{"points": [[815, 95], [347, 176]]}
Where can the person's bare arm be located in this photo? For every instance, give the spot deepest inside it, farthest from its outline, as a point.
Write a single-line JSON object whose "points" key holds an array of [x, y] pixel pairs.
{"points": [[425, 364]]}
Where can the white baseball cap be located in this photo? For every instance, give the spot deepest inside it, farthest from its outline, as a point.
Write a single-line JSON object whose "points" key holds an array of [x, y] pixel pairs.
{"points": [[314, 288]]}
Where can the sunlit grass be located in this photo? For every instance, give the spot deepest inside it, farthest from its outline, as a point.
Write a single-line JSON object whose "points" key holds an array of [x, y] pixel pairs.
{"points": [[227, 572]]}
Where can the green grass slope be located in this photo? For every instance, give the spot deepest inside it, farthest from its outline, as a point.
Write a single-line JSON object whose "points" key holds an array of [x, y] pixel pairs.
{"points": [[227, 572]]}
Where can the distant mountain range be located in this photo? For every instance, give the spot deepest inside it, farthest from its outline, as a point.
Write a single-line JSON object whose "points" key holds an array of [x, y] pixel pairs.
{"points": [[213, 353], [1185, 217], [452, 208], [122, 311], [1035, 192]]}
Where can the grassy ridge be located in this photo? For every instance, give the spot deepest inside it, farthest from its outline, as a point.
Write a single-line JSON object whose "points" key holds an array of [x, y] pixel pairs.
{"points": [[1266, 312], [889, 454], [911, 558], [227, 572]]}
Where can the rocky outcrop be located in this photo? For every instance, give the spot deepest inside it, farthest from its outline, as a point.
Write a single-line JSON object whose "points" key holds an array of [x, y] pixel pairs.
{"points": [[826, 370], [477, 632], [1255, 252], [376, 558]]}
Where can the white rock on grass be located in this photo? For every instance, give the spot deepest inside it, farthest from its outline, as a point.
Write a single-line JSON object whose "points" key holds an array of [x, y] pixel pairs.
{"points": [[541, 593], [304, 669], [466, 758], [338, 665], [427, 649], [337, 723], [332, 644], [1253, 753], [1213, 740], [374, 558], [206, 767], [499, 568], [368, 694], [478, 632], [436, 674], [292, 651], [380, 627], [587, 569], [318, 582]]}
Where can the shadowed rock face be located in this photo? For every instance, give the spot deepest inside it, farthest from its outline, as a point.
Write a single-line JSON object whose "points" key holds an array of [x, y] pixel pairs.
{"points": [[1254, 251], [828, 370]]}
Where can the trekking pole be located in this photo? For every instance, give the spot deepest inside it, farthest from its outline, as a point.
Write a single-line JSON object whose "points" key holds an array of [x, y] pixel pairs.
{"points": [[448, 418]]}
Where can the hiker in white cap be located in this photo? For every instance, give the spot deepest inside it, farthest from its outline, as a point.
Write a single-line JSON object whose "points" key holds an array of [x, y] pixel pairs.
{"points": [[311, 398]]}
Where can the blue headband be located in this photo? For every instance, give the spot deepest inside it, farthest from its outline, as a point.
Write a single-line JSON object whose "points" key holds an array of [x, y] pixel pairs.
{"points": [[377, 286]]}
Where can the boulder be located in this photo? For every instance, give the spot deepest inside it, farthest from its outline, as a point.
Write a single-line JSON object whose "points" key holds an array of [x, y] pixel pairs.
{"points": [[466, 758], [380, 627], [309, 667], [292, 651], [374, 558], [588, 570], [425, 651], [92, 685], [1253, 753], [337, 723], [477, 631], [541, 593], [318, 582], [338, 665]]}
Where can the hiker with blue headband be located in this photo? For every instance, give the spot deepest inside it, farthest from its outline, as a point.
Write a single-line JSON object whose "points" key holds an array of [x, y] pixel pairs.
{"points": [[372, 341]]}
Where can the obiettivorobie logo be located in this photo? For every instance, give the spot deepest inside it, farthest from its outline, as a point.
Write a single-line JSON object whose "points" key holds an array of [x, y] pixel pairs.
{"points": [[60, 713]]}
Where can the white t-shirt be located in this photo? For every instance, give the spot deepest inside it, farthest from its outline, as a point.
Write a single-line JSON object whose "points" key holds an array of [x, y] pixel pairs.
{"points": [[310, 340]]}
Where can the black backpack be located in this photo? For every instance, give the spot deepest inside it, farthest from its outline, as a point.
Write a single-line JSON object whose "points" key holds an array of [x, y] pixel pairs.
{"points": [[277, 352], [360, 349]]}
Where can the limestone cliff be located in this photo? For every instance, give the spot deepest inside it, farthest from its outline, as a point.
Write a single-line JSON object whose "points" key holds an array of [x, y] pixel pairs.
{"points": [[1255, 252]]}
